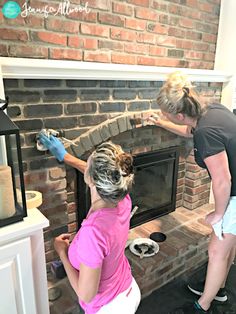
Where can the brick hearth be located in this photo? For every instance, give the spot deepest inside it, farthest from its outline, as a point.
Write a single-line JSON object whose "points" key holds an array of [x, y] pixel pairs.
{"points": [[184, 250]]}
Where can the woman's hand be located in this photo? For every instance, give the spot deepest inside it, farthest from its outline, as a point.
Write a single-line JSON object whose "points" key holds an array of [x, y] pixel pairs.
{"points": [[159, 119], [213, 218], [54, 145], [155, 118], [61, 243]]}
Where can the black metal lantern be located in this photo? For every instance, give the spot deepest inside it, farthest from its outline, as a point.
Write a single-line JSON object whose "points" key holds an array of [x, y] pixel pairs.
{"points": [[12, 189]]}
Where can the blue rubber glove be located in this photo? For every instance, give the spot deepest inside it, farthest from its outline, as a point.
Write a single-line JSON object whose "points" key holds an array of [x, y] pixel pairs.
{"points": [[54, 145]]}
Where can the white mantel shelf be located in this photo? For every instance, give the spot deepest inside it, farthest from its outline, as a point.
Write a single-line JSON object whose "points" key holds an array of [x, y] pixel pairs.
{"points": [[33, 222], [26, 68]]}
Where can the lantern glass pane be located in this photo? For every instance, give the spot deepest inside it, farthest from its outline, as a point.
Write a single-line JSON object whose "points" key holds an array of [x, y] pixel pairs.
{"points": [[15, 170], [12, 201]]}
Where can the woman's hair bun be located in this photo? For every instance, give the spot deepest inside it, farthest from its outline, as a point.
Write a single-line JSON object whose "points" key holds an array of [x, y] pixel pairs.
{"points": [[125, 163], [111, 171]]}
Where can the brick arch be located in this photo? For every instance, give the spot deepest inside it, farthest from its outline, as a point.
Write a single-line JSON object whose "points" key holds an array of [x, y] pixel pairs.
{"points": [[105, 131], [112, 128]]}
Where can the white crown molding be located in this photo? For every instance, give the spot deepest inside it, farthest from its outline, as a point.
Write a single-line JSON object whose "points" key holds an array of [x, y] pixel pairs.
{"points": [[26, 68]]}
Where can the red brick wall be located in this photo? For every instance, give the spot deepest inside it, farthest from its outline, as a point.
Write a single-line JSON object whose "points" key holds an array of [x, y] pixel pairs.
{"points": [[174, 33]]}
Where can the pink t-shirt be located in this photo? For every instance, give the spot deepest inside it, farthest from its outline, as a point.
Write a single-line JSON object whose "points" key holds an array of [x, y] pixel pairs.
{"points": [[101, 242]]}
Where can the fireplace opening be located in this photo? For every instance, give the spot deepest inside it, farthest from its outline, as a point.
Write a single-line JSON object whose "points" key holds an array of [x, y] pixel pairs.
{"points": [[154, 188]]}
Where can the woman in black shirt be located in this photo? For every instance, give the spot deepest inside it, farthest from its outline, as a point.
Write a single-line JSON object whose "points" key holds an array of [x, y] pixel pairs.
{"points": [[213, 129]]}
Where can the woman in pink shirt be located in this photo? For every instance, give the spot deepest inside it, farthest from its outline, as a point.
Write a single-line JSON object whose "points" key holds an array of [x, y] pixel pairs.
{"points": [[95, 262]]}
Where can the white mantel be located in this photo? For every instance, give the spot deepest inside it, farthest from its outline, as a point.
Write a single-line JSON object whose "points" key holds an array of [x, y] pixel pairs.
{"points": [[25, 68]]}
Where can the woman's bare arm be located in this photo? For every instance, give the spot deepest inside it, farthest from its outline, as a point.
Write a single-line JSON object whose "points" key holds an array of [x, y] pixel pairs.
{"points": [[85, 282], [221, 180], [182, 130], [75, 162], [159, 120]]}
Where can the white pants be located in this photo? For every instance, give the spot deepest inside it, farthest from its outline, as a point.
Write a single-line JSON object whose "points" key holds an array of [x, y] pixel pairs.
{"points": [[126, 302]]}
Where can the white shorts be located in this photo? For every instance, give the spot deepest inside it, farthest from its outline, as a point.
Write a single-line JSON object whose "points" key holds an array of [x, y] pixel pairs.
{"points": [[126, 302], [228, 223]]}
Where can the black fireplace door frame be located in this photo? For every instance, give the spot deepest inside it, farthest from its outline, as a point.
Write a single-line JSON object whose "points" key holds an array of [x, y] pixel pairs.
{"points": [[157, 157], [83, 197]]}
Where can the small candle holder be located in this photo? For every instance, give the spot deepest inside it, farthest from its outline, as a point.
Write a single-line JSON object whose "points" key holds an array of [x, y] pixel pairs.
{"points": [[12, 188]]}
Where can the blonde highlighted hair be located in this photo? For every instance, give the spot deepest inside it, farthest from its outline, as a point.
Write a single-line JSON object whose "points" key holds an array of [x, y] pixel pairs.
{"points": [[177, 95], [111, 170]]}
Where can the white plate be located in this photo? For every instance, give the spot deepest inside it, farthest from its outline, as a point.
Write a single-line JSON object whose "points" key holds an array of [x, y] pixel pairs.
{"points": [[128, 242], [144, 241]]}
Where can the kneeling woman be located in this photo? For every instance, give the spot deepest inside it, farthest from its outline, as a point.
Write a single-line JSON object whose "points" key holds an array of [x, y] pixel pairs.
{"points": [[95, 263]]}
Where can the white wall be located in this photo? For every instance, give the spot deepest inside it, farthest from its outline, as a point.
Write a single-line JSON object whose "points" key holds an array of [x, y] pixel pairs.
{"points": [[225, 58]]}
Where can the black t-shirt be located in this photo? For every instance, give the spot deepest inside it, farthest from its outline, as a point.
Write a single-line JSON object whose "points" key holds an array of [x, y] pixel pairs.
{"points": [[216, 132]]}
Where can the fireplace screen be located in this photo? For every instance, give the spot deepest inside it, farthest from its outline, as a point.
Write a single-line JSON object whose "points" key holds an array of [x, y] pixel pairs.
{"points": [[154, 189]]}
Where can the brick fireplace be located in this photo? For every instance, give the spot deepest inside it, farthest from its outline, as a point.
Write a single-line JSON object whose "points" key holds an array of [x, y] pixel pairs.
{"points": [[92, 111]]}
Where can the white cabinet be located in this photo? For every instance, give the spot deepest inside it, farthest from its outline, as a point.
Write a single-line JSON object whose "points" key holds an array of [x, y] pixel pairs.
{"points": [[16, 284], [23, 281]]}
